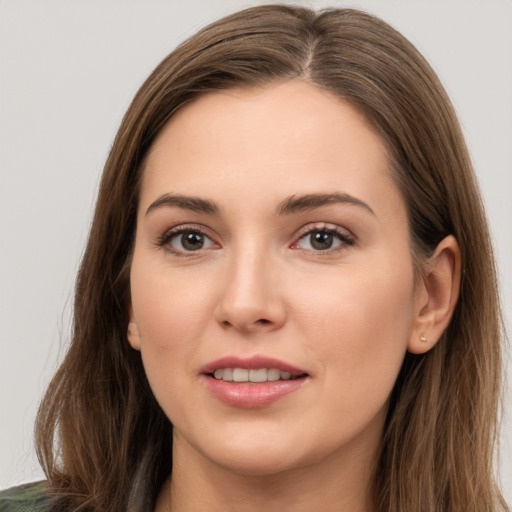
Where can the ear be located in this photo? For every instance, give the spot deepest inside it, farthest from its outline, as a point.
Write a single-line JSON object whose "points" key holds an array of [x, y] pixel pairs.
{"points": [[436, 296], [133, 331]]}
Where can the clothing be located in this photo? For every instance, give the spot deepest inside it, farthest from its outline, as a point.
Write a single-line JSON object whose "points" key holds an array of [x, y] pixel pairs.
{"points": [[31, 497]]}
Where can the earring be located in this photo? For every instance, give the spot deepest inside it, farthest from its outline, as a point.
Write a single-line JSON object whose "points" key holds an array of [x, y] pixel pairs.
{"points": [[423, 339]]}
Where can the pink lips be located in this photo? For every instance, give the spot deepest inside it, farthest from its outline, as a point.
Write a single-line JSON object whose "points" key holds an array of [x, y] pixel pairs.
{"points": [[248, 395]]}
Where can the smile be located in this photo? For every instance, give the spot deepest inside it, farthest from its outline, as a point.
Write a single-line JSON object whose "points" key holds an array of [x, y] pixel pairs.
{"points": [[255, 376], [252, 383]]}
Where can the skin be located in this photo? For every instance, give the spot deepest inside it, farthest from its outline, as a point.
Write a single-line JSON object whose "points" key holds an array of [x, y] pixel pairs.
{"points": [[345, 315]]}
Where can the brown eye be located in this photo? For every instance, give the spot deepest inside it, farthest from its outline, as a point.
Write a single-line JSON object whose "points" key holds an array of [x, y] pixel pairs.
{"points": [[189, 241], [192, 241], [323, 239]]}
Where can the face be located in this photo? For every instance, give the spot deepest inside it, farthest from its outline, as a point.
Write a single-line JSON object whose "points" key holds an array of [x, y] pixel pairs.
{"points": [[273, 292]]}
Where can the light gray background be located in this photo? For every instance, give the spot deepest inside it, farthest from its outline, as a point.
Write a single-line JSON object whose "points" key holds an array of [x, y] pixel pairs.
{"points": [[68, 70]]}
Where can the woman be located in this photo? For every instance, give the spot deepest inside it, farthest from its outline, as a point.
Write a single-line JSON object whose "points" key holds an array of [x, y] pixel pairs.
{"points": [[288, 297]]}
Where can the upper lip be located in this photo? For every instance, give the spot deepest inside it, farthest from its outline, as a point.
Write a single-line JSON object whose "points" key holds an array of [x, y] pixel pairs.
{"points": [[251, 363]]}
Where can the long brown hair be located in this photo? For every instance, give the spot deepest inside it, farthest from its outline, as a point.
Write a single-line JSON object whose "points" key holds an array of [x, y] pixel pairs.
{"points": [[104, 442]]}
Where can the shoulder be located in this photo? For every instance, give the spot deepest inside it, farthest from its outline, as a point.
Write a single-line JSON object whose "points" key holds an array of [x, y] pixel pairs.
{"points": [[31, 497]]}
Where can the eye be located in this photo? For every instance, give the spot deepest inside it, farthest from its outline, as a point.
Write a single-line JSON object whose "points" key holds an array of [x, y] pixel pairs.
{"points": [[323, 239], [186, 240], [190, 241]]}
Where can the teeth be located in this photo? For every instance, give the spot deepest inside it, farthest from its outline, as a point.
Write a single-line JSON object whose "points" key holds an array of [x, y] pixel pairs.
{"points": [[244, 375], [227, 374], [273, 374], [258, 375], [240, 375]]}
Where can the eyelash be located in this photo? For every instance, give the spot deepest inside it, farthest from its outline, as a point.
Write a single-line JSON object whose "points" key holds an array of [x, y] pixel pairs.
{"points": [[345, 239], [164, 241]]}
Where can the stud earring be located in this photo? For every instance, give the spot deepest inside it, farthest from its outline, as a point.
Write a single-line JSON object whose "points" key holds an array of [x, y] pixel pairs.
{"points": [[423, 339]]}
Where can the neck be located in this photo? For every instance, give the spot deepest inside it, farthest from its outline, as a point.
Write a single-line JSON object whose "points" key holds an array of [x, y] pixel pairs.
{"points": [[340, 482]]}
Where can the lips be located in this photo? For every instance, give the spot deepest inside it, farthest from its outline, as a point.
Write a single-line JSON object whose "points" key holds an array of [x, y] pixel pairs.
{"points": [[253, 382]]}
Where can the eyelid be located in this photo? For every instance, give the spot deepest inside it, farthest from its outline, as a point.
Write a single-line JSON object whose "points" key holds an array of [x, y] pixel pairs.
{"points": [[346, 237], [163, 240]]}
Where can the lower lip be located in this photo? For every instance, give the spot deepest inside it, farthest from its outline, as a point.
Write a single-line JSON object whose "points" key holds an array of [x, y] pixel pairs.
{"points": [[248, 395]]}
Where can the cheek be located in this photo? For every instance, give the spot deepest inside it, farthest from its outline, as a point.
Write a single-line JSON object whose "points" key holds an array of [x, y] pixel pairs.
{"points": [[168, 315], [170, 312], [377, 304], [358, 328], [169, 307]]}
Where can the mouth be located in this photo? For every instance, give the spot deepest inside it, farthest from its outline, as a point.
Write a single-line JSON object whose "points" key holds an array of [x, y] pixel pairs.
{"points": [[252, 383], [255, 369], [254, 376]]}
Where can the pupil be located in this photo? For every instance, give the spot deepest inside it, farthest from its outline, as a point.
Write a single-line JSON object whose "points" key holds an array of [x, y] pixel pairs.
{"points": [[321, 240], [192, 241]]}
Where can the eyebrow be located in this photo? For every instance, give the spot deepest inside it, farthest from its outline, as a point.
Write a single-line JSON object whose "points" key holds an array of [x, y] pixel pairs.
{"points": [[296, 204], [194, 204], [292, 204]]}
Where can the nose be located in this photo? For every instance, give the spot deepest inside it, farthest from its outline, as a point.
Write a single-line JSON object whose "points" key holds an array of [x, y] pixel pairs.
{"points": [[251, 297]]}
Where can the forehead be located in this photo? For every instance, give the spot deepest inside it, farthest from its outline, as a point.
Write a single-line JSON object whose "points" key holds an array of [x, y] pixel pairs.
{"points": [[284, 139]]}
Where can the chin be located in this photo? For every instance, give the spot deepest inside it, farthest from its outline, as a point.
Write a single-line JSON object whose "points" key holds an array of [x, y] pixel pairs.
{"points": [[258, 463], [249, 453], [266, 453]]}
